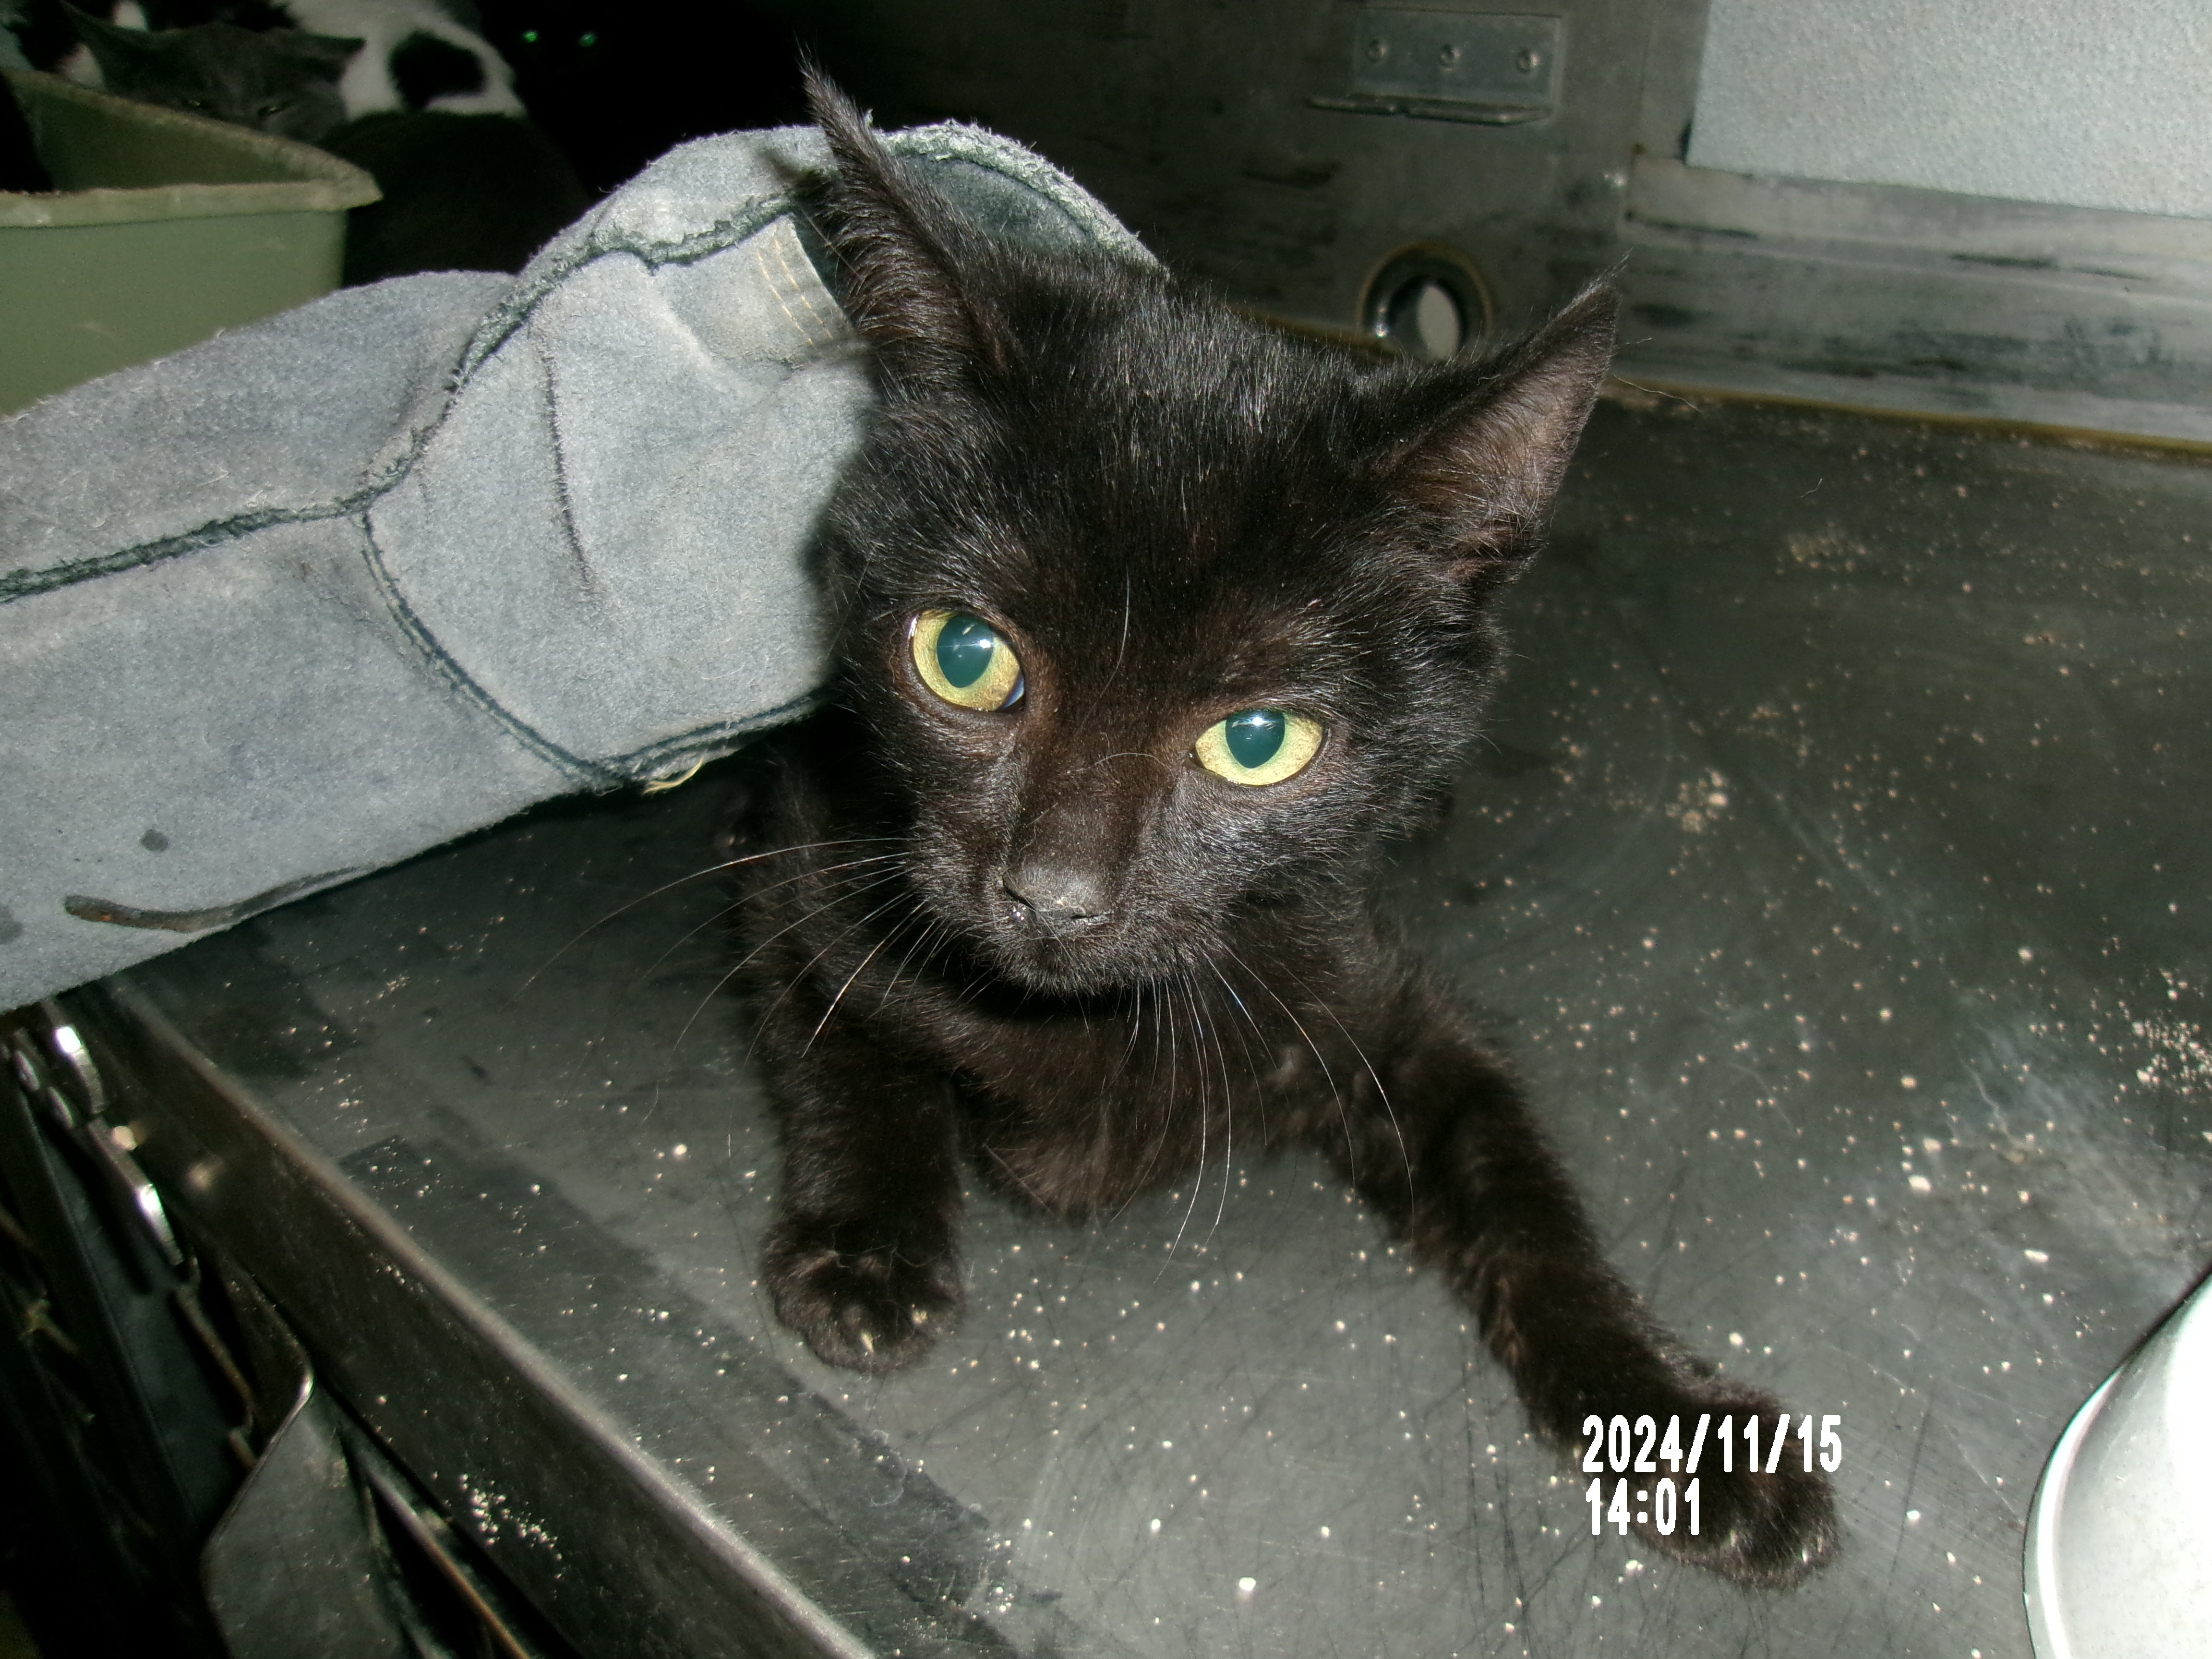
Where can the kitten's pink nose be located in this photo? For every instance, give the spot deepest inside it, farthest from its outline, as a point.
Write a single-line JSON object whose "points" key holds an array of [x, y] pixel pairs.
{"points": [[1057, 894]]}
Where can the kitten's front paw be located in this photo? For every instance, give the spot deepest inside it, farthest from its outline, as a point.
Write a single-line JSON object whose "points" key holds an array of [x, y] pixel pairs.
{"points": [[1766, 1531], [867, 1310]]}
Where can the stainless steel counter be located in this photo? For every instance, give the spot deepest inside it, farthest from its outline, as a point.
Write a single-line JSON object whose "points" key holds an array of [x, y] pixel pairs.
{"points": [[1835, 869]]}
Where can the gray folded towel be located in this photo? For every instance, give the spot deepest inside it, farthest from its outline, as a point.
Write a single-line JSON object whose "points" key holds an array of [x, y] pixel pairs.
{"points": [[317, 594]]}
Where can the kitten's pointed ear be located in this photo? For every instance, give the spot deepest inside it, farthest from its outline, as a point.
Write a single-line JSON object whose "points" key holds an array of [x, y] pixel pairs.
{"points": [[896, 237], [1486, 471]]}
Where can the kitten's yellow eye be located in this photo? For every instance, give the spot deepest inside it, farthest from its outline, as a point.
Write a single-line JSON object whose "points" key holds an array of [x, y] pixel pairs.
{"points": [[966, 661], [1259, 746]]}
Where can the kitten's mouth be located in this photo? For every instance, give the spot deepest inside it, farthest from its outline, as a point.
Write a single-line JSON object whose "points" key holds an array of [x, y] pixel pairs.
{"points": [[1076, 945], [1063, 960], [1065, 977]]}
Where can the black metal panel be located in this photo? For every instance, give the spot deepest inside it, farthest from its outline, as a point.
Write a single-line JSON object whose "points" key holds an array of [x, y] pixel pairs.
{"points": [[116, 1435], [1260, 146], [1251, 145], [410, 1320]]}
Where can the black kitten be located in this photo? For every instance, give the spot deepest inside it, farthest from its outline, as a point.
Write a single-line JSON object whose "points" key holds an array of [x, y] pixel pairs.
{"points": [[1153, 623], [283, 81]]}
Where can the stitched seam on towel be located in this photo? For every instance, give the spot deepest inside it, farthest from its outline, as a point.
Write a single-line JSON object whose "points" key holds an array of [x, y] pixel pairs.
{"points": [[989, 152], [424, 640], [518, 309], [567, 512], [949, 141], [25, 583]]}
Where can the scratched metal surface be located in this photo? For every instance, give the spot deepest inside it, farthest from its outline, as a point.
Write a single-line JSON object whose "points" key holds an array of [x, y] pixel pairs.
{"points": [[1835, 872]]}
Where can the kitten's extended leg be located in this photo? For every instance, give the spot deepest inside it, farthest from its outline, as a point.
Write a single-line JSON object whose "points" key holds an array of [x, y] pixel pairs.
{"points": [[1455, 1163], [863, 1259]]}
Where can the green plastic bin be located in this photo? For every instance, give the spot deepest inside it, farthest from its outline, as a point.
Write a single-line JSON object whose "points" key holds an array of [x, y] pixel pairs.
{"points": [[165, 228]]}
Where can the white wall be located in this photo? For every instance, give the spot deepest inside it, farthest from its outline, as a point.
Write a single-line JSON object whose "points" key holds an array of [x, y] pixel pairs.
{"points": [[2089, 103]]}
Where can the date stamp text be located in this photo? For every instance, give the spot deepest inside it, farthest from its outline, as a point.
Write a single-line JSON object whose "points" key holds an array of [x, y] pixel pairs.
{"points": [[1626, 1449]]}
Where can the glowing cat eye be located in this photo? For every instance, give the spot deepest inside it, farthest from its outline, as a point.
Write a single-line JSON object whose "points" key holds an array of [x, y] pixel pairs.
{"points": [[1259, 746], [966, 661]]}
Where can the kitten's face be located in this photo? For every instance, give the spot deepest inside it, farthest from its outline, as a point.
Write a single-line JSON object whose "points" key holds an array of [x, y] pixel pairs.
{"points": [[1138, 677], [1160, 618], [283, 81]]}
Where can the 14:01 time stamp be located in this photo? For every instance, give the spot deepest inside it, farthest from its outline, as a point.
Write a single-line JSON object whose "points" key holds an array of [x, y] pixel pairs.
{"points": [[1672, 1501]]}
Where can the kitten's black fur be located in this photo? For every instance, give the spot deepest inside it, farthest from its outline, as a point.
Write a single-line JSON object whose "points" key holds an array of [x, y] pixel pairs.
{"points": [[1046, 940], [284, 82]]}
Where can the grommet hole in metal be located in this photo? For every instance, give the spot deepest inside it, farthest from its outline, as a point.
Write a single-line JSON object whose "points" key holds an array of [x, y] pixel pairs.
{"points": [[1428, 302]]}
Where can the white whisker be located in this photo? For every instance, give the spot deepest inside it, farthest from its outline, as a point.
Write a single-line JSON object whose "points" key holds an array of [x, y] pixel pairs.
{"points": [[906, 959], [821, 1024], [697, 875], [751, 894], [1197, 1023], [1328, 1077], [815, 960], [1375, 1077], [744, 961]]}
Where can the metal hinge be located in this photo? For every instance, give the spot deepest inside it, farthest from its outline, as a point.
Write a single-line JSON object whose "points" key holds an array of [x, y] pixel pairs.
{"points": [[1479, 67]]}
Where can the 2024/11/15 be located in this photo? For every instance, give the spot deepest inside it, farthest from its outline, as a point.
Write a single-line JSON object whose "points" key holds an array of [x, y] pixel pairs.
{"points": [[1610, 1442]]}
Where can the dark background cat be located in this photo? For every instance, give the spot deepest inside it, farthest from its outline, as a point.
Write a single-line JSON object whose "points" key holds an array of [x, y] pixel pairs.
{"points": [[1081, 896], [280, 80], [413, 54], [612, 87], [463, 189]]}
